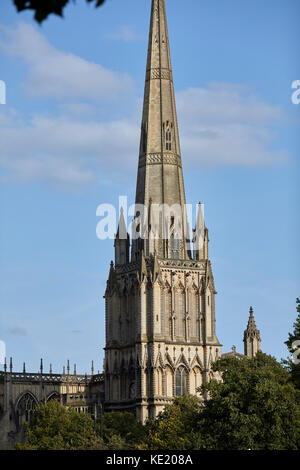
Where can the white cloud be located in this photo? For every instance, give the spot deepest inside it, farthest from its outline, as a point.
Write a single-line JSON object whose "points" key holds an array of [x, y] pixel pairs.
{"points": [[65, 150], [220, 125], [125, 34], [57, 74], [224, 124]]}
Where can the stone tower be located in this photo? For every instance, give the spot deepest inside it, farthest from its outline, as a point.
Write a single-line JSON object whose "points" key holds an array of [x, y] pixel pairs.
{"points": [[160, 301], [251, 337]]}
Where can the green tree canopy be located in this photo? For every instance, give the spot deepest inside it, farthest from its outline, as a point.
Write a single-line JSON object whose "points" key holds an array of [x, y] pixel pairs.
{"points": [[254, 407], [174, 428], [294, 347], [124, 425], [53, 427], [43, 8]]}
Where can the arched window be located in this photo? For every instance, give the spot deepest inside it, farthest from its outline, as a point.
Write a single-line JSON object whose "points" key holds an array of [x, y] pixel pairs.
{"points": [[195, 381], [53, 396], [25, 408], [181, 382]]}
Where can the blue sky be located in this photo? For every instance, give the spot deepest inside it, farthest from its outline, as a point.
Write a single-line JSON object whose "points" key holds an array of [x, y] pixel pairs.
{"points": [[69, 136]]}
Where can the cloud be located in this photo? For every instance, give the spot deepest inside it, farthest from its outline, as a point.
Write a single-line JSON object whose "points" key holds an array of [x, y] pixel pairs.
{"points": [[220, 125], [224, 124], [124, 34], [56, 74], [18, 331], [65, 150]]}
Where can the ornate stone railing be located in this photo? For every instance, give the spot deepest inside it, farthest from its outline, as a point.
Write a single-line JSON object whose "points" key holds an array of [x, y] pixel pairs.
{"points": [[58, 378]]}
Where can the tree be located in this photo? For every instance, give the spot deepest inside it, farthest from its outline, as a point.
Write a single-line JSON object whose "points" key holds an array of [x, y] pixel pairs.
{"points": [[174, 428], [292, 365], [53, 427], [125, 426], [254, 407], [43, 8]]}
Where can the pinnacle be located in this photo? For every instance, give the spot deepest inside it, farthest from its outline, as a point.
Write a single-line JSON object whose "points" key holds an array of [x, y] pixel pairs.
{"points": [[122, 230], [251, 327]]}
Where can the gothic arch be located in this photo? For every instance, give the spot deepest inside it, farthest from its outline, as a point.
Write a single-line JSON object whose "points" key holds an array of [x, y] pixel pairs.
{"points": [[195, 380], [197, 361], [166, 302], [179, 310], [169, 361], [182, 361], [115, 387], [169, 381], [25, 407], [159, 360], [181, 380], [193, 302], [179, 286], [159, 381], [53, 396]]}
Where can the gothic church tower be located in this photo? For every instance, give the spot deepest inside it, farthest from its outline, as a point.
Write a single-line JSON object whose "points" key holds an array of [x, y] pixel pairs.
{"points": [[160, 298]]}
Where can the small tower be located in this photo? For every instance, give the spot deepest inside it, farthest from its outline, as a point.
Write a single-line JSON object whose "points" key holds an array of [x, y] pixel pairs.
{"points": [[251, 337], [122, 242]]}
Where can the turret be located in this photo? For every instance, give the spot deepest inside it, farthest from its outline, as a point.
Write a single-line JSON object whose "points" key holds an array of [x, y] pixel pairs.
{"points": [[251, 337]]}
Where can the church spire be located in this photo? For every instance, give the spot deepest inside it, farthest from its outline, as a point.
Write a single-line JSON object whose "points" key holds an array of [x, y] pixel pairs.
{"points": [[160, 179], [159, 103], [251, 337]]}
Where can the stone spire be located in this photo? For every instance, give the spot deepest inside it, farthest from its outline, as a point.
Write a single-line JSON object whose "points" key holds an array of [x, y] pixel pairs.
{"points": [[251, 337], [160, 179], [200, 236], [122, 242]]}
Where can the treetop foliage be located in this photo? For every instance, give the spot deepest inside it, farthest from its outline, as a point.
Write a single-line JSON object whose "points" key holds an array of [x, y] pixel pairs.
{"points": [[125, 426], [43, 8], [53, 427], [291, 365], [255, 406]]}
